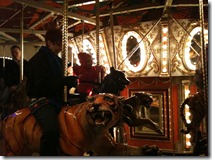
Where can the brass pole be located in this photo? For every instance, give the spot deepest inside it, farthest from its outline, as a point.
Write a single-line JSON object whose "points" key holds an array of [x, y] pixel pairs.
{"points": [[204, 62], [112, 34], [83, 32], [97, 37], [21, 43], [97, 31], [65, 44]]}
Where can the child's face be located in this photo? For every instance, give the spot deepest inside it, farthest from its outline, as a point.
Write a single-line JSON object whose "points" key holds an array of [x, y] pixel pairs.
{"points": [[89, 61]]}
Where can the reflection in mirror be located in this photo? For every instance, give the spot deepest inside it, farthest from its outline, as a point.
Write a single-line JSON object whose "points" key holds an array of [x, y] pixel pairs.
{"points": [[135, 58], [130, 40], [192, 49], [155, 117], [195, 49], [153, 113]]}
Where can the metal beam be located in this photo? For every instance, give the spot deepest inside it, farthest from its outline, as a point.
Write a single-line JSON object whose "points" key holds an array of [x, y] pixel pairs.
{"points": [[137, 8], [29, 31], [7, 36], [167, 7], [38, 5], [38, 23], [125, 10], [79, 3]]}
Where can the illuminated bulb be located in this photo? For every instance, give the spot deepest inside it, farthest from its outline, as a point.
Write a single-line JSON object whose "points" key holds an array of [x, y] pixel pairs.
{"points": [[165, 38], [188, 121], [164, 54], [188, 136], [186, 106], [164, 62], [165, 30], [164, 70], [164, 46], [187, 92], [188, 144], [188, 114]]}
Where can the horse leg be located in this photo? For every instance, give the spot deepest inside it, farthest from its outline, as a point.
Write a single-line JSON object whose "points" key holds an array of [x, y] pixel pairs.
{"points": [[147, 123]]}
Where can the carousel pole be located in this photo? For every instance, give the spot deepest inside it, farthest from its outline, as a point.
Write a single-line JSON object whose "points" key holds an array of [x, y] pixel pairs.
{"points": [[97, 37], [112, 34], [204, 63], [4, 55], [119, 132], [65, 45], [21, 43], [83, 32]]}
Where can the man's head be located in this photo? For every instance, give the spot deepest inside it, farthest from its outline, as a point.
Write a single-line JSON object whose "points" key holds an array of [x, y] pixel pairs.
{"points": [[53, 40], [16, 53]]}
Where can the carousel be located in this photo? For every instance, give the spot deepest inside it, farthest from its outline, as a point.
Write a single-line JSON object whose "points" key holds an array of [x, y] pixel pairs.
{"points": [[145, 93]]}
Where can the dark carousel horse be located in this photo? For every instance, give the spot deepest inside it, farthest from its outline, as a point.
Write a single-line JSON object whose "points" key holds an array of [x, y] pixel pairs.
{"points": [[17, 100]]}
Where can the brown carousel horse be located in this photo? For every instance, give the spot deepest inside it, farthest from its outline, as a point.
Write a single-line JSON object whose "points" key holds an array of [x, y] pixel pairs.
{"points": [[83, 128]]}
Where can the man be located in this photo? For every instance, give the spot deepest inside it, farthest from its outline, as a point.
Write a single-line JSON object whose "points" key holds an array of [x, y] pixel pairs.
{"points": [[11, 76], [45, 81]]}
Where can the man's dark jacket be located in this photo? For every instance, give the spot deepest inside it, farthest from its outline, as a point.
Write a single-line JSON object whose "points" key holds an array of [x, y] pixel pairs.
{"points": [[45, 75], [11, 73]]}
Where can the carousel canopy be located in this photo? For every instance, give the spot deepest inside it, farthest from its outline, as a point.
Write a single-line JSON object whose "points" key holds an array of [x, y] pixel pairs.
{"points": [[37, 16]]}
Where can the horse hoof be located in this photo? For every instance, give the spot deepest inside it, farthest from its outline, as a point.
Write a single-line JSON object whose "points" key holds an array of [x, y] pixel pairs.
{"points": [[159, 131]]}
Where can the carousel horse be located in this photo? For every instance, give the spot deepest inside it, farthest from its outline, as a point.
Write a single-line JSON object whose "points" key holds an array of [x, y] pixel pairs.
{"points": [[197, 109], [83, 129], [17, 100], [133, 104]]}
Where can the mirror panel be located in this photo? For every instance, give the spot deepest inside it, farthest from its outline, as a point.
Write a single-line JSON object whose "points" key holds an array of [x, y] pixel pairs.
{"points": [[138, 60], [157, 113]]}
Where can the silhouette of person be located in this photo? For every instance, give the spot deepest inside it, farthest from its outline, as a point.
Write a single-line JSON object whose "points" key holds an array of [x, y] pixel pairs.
{"points": [[88, 74], [11, 76], [45, 84]]}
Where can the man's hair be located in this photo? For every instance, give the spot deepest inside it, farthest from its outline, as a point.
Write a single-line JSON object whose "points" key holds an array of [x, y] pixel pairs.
{"points": [[54, 35], [13, 47]]}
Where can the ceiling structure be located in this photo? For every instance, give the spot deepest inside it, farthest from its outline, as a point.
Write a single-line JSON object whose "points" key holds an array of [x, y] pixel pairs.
{"points": [[37, 16]]}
